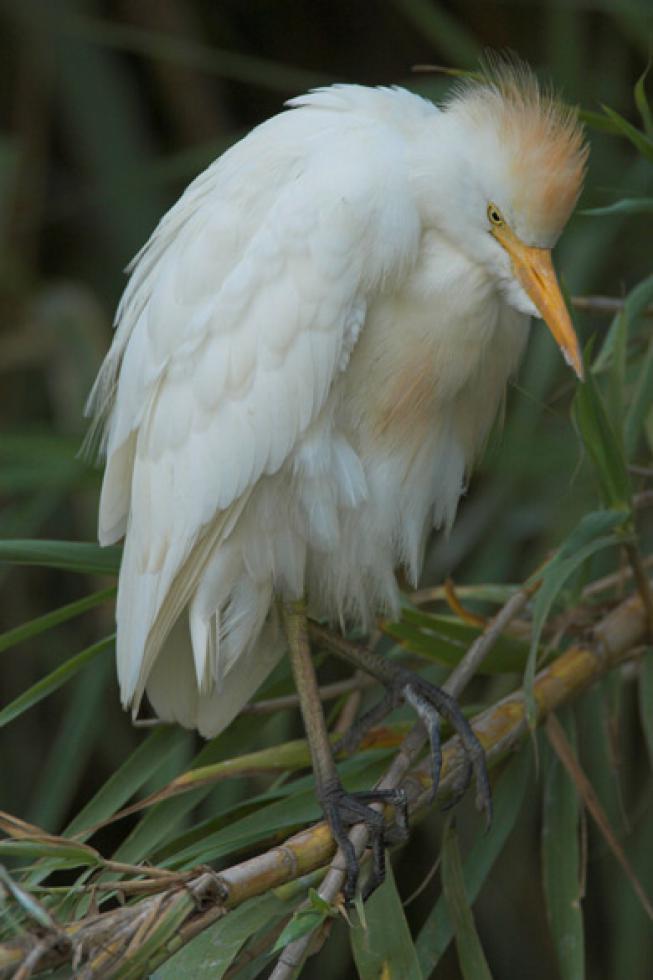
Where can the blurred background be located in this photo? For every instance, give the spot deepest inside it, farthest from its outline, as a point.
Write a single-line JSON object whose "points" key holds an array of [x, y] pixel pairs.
{"points": [[107, 110]]}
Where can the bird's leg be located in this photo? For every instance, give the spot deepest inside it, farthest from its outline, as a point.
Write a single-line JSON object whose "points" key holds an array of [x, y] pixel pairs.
{"points": [[429, 703], [341, 809]]}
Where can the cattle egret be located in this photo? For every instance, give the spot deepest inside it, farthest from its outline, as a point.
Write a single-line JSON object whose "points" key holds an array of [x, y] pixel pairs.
{"points": [[309, 355]]}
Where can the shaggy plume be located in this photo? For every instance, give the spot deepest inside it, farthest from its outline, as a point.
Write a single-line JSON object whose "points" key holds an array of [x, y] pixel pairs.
{"points": [[543, 137]]}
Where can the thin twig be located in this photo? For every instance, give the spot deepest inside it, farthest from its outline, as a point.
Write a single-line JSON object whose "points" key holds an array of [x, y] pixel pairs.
{"points": [[349, 710], [328, 692], [424, 883], [603, 305], [643, 584], [643, 500], [556, 735], [482, 645], [618, 578]]}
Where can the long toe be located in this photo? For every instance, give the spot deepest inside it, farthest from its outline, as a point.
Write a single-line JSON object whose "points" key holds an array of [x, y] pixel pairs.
{"points": [[343, 810], [431, 702]]}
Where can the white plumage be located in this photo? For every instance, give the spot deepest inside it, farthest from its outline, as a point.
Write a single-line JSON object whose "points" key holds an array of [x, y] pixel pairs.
{"points": [[308, 357]]}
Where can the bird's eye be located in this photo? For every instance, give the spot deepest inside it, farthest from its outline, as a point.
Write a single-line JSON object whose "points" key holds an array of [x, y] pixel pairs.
{"points": [[494, 215]]}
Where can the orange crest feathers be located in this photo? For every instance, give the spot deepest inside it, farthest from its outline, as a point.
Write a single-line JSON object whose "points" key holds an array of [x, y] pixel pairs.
{"points": [[543, 137]]}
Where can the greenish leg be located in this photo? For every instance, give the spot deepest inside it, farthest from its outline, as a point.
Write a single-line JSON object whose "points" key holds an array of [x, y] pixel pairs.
{"points": [[341, 809]]}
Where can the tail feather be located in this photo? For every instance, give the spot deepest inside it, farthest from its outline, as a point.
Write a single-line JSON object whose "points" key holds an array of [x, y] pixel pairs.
{"points": [[172, 684]]}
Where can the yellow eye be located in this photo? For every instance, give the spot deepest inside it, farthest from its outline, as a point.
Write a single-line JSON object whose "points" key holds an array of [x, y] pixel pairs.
{"points": [[494, 215]]}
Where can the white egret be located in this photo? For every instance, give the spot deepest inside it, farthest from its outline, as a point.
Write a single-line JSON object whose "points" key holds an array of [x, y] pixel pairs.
{"points": [[308, 358]]}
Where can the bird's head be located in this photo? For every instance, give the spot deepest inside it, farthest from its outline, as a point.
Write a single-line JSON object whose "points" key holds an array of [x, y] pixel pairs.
{"points": [[512, 179]]}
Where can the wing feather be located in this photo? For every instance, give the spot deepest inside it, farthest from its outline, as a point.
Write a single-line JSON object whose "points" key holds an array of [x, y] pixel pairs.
{"points": [[240, 313]]}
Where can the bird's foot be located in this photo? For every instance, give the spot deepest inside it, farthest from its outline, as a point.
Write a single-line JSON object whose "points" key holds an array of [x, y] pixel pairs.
{"points": [[431, 703], [342, 810]]}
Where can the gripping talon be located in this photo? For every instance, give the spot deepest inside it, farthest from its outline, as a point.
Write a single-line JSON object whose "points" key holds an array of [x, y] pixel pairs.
{"points": [[430, 702], [342, 810], [430, 718]]}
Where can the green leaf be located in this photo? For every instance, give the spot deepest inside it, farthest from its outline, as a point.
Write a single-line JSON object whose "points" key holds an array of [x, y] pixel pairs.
{"points": [[385, 948], [280, 815], [508, 796], [446, 639], [599, 122], [158, 824], [53, 681], [640, 140], [26, 901], [303, 921], [561, 870], [588, 537], [627, 205], [142, 765], [629, 925], [71, 556], [43, 623], [138, 768], [639, 297], [471, 957], [320, 904], [640, 403], [634, 305], [70, 855], [211, 953], [590, 527], [366, 764], [602, 444], [72, 744], [617, 378], [288, 756], [641, 101]]}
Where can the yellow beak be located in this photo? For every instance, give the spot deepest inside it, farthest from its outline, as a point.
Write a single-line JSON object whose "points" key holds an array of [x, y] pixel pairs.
{"points": [[534, 270]]}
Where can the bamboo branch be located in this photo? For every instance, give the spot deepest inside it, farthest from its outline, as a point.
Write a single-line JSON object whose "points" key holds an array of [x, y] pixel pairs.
{"points": [[207, 896]]}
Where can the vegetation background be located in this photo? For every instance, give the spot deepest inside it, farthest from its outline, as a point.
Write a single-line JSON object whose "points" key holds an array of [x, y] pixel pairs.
{"points": [[107, 110]]}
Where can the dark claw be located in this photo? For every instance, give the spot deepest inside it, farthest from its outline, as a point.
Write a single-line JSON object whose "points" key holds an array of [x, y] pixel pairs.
{"points": [[429, 703], [395, 798], [342, 810], [430, 718]]}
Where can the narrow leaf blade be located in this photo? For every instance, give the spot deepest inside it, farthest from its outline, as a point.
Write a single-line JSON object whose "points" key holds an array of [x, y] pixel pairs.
{"points": [[384, 947], [561, 870], [471, 957]]}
